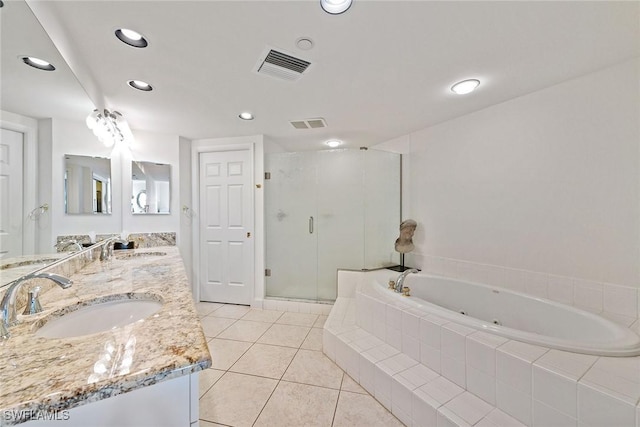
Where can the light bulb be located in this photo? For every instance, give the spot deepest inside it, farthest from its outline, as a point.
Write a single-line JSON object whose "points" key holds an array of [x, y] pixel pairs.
{"points": [[466, 86]]}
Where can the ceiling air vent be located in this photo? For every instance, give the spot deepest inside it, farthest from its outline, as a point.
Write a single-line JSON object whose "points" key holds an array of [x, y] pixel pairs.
{"points": [[309, 123], [281, 65]]}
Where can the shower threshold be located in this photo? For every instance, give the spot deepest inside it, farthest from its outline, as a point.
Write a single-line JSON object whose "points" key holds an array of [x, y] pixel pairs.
{"points": [[304, 300]]}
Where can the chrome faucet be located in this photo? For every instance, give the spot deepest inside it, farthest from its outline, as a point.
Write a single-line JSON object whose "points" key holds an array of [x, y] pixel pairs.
{"points": [[107, 248], [8, 304], [400, 280]]}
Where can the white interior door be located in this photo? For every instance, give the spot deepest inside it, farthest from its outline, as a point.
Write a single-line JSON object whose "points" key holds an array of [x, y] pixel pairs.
{"points": [[10, 193], [226, 227]]}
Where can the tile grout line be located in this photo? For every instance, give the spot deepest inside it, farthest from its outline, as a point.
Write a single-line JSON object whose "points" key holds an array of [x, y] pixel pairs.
{"points": [[335, 409], [279, 381]]}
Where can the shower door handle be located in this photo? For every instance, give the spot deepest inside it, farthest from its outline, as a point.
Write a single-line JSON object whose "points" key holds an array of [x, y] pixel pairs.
{"points": [[310, 225]]}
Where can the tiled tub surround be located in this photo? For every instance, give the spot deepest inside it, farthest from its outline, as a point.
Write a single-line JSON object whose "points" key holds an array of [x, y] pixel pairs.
{"points": [[614, 301], [430, 371], [57, 374]]}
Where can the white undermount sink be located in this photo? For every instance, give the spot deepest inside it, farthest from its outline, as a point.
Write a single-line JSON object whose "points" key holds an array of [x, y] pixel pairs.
{"points": [[99, 317]]}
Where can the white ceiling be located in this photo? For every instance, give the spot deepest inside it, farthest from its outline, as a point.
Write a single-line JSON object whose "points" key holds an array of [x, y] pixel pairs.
{"points": [[380, 70]]}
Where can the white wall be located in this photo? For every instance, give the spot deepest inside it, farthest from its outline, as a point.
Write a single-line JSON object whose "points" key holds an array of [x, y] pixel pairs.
{"points": [[59, 137], [185, 238], [547, 182], [203, 145]]}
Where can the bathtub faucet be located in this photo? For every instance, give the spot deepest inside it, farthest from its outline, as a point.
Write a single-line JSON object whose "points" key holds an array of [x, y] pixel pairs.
{"points": [[401, 277], [107, 248]]}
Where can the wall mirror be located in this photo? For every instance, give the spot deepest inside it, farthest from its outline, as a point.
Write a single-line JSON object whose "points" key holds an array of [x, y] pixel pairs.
{"points": [[87, 185], [32, 93], [151, 188]]}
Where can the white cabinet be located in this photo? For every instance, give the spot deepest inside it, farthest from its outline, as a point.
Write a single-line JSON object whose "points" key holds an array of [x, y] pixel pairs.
{"points": [[172, 403]]}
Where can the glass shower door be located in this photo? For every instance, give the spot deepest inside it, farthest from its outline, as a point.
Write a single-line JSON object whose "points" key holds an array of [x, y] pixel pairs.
{"points": [[290, 221], [328, 210], [340, 216]]}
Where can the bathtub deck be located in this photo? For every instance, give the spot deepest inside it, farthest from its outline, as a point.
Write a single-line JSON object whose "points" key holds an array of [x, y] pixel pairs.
{"points": [[429, 371]]}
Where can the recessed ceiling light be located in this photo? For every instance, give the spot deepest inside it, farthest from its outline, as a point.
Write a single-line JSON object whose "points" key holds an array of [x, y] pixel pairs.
{"points": [[335, 7], [38, 63], [245, 115], [132, 38], [466, 86], [140, 85], [333, 143]]}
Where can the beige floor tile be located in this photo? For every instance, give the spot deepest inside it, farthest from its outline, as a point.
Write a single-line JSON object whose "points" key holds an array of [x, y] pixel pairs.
{"points": [[231, 311], [212, 326], [265, 360], [313, 340], [287, 335], [362, 410], [204, 308], [207, 378], [208, 424], [298, 319], [320, 322], [299, 405], [314, 368], [226, 352], [236, 399], [269, 316], [348, 384], [245, 330]]}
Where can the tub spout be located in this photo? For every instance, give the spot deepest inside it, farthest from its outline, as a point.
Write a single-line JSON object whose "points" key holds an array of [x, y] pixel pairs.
{"points": [[401, 277]]}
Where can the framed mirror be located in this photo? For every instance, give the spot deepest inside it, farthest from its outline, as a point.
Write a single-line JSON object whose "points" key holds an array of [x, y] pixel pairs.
{"points": [[151, 188], [87, 185]]}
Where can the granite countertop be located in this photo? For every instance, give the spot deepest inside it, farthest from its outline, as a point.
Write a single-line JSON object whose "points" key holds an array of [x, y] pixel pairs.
{"points": [[43, 374], [16, 267]]}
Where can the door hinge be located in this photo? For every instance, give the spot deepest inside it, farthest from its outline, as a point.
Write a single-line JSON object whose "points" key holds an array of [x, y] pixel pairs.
{"points": [[267, 175], [267, 272]]}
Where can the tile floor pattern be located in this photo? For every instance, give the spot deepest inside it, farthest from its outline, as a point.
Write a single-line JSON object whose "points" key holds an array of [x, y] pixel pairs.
{"points": [[269, 370]]}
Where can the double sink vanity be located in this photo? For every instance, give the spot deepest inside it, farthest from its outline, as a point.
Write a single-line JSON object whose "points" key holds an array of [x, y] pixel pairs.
{"points": [[121, 346]]}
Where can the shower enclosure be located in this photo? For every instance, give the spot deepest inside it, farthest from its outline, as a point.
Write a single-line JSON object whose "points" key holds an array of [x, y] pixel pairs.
{"points": [[328, 210]]}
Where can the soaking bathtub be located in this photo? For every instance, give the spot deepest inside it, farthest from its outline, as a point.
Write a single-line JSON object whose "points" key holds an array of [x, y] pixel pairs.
{"points": [[510, 314]]}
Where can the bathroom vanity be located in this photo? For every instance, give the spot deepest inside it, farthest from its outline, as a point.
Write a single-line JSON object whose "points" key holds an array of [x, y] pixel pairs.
{"points": [[123, 346]]}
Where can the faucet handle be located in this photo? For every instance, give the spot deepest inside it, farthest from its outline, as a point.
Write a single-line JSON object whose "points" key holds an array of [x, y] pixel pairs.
{"points": [[33, 303], [392, 284], [405, 291]]}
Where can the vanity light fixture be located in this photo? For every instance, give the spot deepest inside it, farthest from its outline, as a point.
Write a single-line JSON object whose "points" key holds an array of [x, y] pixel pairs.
{"points": [[465, 86], [38, 63], [333, 143], [140, 85], [109, 127], [132, 38], [335, 7], [245, 115]]}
